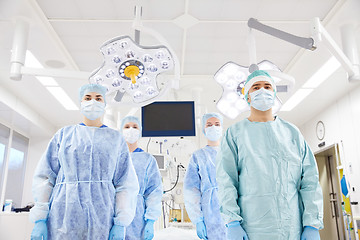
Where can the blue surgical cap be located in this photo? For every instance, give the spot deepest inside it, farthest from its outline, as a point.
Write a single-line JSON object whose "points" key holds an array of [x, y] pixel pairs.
{"points": [[130, 119], [257, 76], [206, 116], [92, 88]]}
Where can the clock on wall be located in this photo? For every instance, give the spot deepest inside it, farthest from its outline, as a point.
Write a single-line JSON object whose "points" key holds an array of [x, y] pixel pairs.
{"points": [[320, 130]]}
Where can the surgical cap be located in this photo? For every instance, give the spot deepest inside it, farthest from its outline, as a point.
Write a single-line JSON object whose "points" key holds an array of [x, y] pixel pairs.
{"points": [[257, 76], [92, 88], [130, 119], [206, 116]]}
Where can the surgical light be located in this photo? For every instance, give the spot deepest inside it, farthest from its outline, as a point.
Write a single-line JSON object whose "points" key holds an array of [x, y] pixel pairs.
{"points": [[232, 78], [129, 67]]}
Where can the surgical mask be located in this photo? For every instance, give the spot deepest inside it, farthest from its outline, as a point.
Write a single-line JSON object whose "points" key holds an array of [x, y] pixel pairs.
{"points": [[213, 133], [262, 99], [92, 109], [131, 135]]}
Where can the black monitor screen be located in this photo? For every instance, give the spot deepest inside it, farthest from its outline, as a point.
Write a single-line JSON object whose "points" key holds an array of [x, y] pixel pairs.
{"points": [[161, 119]]}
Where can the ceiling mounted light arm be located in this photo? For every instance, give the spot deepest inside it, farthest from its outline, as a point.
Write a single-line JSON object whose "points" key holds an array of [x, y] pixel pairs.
{"points": [[349, 60], [139, 28], [18, 55], [307, 43], [252, 51]]}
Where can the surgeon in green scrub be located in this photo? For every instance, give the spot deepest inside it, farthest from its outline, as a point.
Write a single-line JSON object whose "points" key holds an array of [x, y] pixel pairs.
{"points": [[267, 174]]}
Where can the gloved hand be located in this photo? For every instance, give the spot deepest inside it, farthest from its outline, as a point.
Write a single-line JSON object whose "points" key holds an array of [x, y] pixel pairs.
{"points": [[117, 233], [235, 231], [149, 230], [39, 231], [201, 230], [310, 233]]}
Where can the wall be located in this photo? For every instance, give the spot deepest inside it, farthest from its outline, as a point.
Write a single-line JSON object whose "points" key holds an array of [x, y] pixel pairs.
{"points": [[342, 125], [37, 147]]}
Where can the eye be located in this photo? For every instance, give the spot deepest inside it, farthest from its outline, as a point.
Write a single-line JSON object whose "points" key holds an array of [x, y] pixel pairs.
{"points": [[136, 127], [99, 99], [87, 99], [217, 124]]}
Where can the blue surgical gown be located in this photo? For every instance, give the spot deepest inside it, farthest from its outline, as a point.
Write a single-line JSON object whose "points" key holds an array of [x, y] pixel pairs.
{"points": [[201, 192], [150, 194], [268, 180], [84, 183]]}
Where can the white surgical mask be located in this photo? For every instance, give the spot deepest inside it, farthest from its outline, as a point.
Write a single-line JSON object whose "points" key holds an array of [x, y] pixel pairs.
{"points": [[262, 99], [131, 135], [92, 109], [213, 133]]}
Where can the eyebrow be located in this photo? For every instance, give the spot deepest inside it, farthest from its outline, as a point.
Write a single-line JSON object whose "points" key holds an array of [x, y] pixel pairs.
{"points": [[257, 84], [99, 95]]}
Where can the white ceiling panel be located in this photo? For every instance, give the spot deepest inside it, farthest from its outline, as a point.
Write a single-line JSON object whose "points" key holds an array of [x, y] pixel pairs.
{"points": [[111, 9], [275, 10], [205, 34], [66, 9]]}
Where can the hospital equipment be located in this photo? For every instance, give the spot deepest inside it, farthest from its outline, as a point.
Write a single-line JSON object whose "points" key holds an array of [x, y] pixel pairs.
{"points": [[168, 118]]}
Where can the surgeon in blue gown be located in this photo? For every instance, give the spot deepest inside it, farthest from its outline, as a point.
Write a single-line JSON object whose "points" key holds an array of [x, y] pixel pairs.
{"points": [[200, 186], [85, 185], [148, 208], [267, 174]]}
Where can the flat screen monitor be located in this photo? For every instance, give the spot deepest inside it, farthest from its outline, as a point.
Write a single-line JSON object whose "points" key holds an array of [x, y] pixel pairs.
{"points": [[163, 119]]}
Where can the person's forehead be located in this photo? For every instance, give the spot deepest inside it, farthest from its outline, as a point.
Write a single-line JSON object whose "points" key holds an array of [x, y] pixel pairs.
{"points": [[213, 119], [131, 123], [93, 94]]}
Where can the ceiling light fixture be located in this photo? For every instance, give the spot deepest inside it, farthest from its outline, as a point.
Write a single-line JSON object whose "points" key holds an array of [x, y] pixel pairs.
{"points": [[295, 99], [62, 98], [322, 73]]}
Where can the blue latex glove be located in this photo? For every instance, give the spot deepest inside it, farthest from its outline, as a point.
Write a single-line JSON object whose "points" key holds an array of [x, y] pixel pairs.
{"points": [[310, 233], [149, 230], [39, 231], [117, 233], [235, 231], [201, 230]]}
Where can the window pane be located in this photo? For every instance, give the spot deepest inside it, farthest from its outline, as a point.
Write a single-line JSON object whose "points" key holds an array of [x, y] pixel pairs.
{"points": [[16, 170], [4, 140]]}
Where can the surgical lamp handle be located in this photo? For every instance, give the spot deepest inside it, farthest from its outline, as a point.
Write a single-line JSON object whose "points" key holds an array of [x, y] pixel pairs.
{"points": [[307, 43]]}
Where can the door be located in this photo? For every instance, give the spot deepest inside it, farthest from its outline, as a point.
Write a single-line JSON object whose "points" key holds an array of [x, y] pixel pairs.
{"points": [[329, 181]]}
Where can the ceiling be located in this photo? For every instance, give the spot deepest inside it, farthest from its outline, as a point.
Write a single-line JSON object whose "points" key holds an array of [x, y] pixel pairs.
{"points": [[205, 34]]}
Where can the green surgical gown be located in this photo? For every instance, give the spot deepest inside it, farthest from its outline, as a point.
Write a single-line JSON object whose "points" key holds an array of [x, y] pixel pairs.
{"points": [[268, 180]]}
